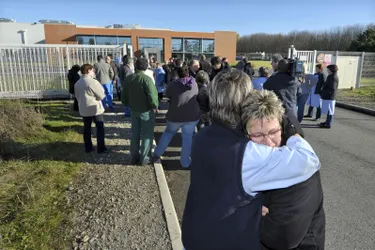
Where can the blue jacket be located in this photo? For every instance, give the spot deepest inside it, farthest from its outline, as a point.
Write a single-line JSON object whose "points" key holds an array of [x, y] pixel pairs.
{"points": [[160, 79]]}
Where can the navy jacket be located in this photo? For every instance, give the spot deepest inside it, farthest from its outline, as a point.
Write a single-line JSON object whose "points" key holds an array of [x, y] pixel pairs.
{"points": [[329, 90], [219, 214]]}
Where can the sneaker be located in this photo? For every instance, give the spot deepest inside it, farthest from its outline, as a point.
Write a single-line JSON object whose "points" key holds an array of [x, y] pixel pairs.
{"points": [[155, 158]]}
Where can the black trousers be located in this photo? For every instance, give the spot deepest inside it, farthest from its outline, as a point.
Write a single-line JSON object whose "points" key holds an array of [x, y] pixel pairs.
{"points": [[99, 123], [75, 104]]}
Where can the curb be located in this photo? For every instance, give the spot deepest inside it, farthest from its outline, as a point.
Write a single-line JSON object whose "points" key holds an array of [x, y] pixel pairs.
{"points": [[355, 108], [173, 225]]}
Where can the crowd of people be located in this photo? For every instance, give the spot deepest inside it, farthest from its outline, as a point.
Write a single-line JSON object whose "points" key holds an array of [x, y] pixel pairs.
{"points": [[255, 181]]}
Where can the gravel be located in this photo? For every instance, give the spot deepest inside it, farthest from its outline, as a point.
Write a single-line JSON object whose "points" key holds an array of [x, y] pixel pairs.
{"points": [[117, 206]]}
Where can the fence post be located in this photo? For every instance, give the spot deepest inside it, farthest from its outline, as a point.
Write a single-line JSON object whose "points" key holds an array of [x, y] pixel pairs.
{"points": [[67, 58], [61, 77], [314, 60], [359, 74]]}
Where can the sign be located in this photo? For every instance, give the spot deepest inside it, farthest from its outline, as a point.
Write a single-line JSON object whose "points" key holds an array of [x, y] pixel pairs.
{"points": [[320, 58], [303, 58], [327, 59]]}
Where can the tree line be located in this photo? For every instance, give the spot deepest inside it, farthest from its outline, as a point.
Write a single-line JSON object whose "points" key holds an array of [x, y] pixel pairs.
{"points": [[339, 38]]}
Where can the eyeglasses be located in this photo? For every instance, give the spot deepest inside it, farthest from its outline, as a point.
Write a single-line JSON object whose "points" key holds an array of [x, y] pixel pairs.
{"points": [[258, 137]]}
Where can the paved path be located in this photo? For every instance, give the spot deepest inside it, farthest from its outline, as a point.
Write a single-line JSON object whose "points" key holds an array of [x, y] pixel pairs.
{"points": [[347, 154]]}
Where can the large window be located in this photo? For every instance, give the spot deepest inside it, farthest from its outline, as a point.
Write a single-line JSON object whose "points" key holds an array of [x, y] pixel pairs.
{"points": [[103, 40], [152, 43], [190, 48]]}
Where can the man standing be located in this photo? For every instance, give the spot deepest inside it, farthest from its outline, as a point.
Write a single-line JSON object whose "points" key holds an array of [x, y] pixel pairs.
{"points": [[193, 68], [173, 74], [217, 67], [89, 94], [160, 81], [115, 72], [125, 70], [143, 102], [276, 58], [104, 74], [204, 64]]}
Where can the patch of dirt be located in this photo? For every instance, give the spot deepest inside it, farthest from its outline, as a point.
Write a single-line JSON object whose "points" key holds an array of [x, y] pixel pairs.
{"points": [[117, 206]]}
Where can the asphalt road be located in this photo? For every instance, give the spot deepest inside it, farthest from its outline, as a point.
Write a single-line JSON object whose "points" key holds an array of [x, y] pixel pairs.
{"points": [[347, 155]]}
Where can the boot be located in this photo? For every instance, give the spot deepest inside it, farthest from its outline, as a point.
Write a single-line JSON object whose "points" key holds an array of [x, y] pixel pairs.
{"points": [[309, 112]]}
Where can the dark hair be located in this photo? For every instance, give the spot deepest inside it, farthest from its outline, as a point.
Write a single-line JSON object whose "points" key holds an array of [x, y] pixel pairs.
{"points": [[85, 68], [75, 68], [178, 62], [263, 72], [224, 58], [276, 58], [183, 72], [141, 64], [333, 68], [319, 66], [215, 60], [124, 58], [202, 57], [283, 66], [100, 57], [110, 56]]}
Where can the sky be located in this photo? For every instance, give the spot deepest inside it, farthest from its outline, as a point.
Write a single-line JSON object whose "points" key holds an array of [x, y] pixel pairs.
{"points": [[242, 16]]}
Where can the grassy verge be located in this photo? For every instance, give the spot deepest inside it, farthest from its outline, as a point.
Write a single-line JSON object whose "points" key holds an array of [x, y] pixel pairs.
{"points": [[39, 166]]}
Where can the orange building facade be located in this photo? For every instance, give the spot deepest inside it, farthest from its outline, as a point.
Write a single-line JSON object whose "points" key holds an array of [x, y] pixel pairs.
{"points": [[185, 45]]}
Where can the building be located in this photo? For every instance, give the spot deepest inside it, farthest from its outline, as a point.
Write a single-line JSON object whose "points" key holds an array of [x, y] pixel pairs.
{"points": [[163, 43]]}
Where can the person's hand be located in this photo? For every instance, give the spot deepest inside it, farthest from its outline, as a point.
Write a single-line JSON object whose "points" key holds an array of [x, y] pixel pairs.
{"points": [[265, 211], [156, 111], [114, 81]]}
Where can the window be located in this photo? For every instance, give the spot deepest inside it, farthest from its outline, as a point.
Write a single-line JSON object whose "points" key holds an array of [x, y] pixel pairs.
{"points": [[177, 45], [193, 45], [102, 40], [86, 40], [190, 48], [208, 46], [152, 43]]}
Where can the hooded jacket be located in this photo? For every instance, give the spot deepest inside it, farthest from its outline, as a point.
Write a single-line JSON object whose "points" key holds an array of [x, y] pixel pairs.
{"points": [[285, 87], [183, 104]]}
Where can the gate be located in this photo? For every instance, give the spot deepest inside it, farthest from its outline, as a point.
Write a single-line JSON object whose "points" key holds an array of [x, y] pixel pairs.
{"points": [[40, 71], [308, 57]]}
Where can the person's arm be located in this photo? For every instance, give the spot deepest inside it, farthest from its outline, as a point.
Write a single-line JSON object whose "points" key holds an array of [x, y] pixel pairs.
{"points": [[111, 73], [125, 91], [98, 90], [267, 168], [151, 92]]}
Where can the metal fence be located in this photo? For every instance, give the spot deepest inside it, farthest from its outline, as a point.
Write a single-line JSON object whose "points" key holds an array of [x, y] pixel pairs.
{"points": [[40, 71]]}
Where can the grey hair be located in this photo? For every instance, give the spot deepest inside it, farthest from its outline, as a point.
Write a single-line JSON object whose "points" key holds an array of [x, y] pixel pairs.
{"points": [[226, 93], [202, 77], [260, 105], [277, 58]]}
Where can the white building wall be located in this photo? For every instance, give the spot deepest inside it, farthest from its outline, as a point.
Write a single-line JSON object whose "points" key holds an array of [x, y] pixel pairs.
{"points": [[11, 33]]}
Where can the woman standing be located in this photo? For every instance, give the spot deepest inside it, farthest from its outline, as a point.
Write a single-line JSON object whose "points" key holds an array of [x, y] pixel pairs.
{"points": [[73, 77], [328, 95], [183, 112], [203, 79], [314, 100], [263, 76]]}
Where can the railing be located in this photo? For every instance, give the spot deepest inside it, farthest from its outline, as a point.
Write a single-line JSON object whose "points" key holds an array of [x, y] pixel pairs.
{"points": [[39, 71]]}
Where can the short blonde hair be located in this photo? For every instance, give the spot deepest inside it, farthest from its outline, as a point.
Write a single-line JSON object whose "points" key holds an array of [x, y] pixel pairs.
{"points": [[259, 105]]}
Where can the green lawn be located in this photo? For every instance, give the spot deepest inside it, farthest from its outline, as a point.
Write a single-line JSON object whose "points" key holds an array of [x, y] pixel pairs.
{"points": [[41, 161]]}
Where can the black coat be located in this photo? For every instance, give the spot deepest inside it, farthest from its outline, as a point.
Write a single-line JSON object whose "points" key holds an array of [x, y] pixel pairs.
{"points": [[329, 90], [285, 87], [322, 77], [214, 72], [73, 77], [205, 66]]}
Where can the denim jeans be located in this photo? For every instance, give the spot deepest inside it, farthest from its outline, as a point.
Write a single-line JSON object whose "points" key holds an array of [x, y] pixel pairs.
{"points": [[108, 91], [301, 101], [99, 123], [187, 129], [142, 130]]}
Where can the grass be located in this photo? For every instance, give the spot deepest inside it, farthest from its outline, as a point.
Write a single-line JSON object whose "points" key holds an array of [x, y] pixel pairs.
{"points": [[34, 213], [367, 92]]}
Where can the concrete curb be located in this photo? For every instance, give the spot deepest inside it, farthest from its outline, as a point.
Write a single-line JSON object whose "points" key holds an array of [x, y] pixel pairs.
{"points": [[355, 108], [169, 210]]}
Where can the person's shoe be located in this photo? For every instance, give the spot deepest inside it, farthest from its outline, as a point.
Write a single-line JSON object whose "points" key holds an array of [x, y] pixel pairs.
{"points": [[89, 150], [135, 160], [155, 158], [316, 119], [104, 151], [324, 125], [307, 116], [146, 163]]}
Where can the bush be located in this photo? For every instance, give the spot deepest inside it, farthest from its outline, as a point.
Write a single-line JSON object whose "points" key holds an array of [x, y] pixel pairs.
{"points": [[17, 120]]}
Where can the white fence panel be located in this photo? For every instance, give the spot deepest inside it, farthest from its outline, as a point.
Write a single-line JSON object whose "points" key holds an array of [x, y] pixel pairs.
{"points": [[39, 71]]}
